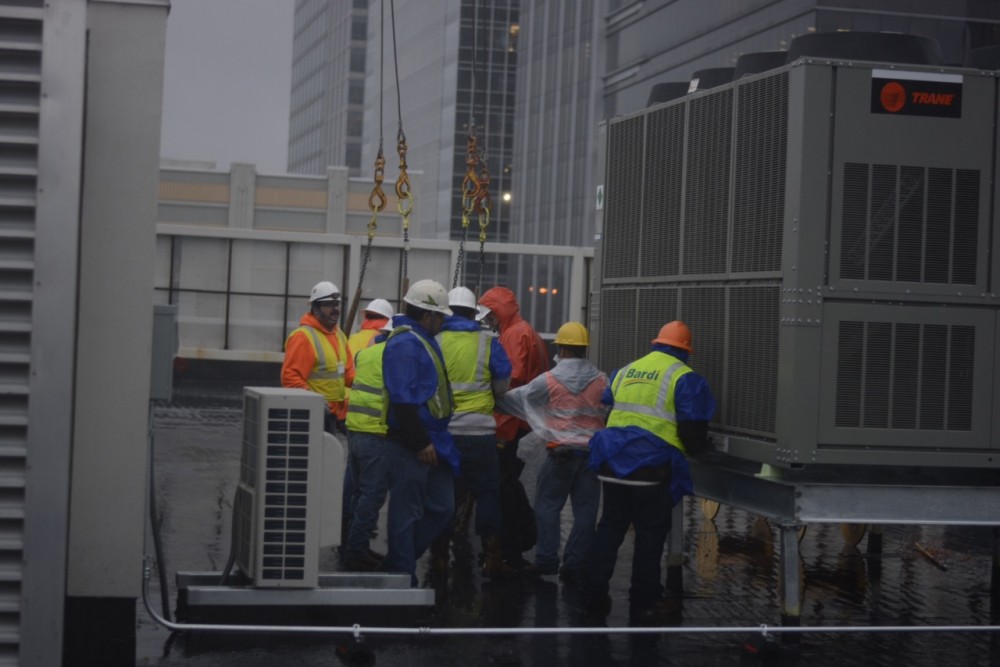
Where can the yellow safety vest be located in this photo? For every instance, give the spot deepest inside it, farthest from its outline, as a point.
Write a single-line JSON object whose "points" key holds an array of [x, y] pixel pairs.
{"points": [[359, 340], [366, 413], [441, 404], [644, 396], [327, 376], [467, 358]]}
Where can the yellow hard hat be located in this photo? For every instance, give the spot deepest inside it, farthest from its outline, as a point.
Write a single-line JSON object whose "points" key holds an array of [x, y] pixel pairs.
{"points": [[573, 333]]}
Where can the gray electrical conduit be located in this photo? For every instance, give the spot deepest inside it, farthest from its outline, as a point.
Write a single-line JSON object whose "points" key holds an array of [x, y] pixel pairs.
{"points": [[357, 631]]}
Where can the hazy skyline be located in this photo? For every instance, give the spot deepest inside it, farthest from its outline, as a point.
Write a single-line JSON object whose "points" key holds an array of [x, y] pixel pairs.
{"points": [[226, 82]]}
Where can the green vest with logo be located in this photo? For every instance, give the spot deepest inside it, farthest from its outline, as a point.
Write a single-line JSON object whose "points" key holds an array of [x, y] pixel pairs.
{"points": [[644, 396], [467, 358]]}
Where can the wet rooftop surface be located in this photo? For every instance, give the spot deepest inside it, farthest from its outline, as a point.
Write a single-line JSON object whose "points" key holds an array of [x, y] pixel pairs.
{"points": [[926, 575]]}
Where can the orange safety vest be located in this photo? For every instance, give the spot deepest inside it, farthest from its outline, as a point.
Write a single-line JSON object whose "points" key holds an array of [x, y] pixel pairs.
{"points": [[574, 418]]}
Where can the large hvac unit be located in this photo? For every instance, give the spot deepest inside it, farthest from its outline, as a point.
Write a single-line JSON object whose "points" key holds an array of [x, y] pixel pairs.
{"points": [[291, 482], [826, 228]]}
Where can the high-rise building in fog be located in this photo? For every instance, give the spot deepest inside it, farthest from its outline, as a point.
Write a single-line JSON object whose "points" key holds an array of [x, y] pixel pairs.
{"points": [[328, 86]]}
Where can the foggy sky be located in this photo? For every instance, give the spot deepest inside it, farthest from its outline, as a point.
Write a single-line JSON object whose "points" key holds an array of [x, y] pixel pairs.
{"points": [[226, 82]]}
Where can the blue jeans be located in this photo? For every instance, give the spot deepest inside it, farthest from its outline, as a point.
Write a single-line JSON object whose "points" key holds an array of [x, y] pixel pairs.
{"points": [[367, 466], [648, 509], [558, 479], [421, 504], [481, 477]]}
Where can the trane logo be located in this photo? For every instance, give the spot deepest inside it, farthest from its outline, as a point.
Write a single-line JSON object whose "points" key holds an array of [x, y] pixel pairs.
{"points": [[939, 99], [934, 95]]}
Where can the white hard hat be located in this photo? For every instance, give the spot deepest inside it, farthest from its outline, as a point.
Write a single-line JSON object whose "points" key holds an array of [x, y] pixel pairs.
{"points": [[481, 312], [380, 307], [429, 295], [387, 327], [324, 291], [462, 297]]}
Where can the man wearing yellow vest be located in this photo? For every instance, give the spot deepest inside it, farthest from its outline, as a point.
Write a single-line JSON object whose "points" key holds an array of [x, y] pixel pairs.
{"points": [[376, 315], [366, 429], [421, 458], [564, 408], [317, 356], [660, 411], [479, 371]]}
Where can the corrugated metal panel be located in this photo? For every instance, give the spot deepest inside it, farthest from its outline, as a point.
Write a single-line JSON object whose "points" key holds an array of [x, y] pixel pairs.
{"points": [[20, 82]]}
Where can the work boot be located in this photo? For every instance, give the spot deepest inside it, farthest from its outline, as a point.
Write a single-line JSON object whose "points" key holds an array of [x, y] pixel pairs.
{"points": [[360, 562], [494, 566]]}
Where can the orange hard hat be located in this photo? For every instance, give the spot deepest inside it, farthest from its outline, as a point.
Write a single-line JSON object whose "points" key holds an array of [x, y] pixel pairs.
{"points": [[675, 333]]}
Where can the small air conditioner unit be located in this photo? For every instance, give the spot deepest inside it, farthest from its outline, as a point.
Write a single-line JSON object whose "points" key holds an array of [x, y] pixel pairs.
{"points": [[288, 502]]}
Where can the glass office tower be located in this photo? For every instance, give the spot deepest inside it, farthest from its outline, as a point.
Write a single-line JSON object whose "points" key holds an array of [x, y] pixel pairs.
{"points": [[328, 86]]}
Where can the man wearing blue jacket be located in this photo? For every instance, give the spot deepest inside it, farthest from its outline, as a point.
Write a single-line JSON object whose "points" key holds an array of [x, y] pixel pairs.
{"points": [[660, 412], [421, 458]]}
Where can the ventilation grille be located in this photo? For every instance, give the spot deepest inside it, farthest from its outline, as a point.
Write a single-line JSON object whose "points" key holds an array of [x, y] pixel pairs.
{"points": [[243, 527], [905, 376], [759, 179], [624, 198], [286, 481], [910, 224], [707, 197], [659, 246], [20, 90], [751, 389], [617, 342], [735, 331], [251, 435], [657, 306]]}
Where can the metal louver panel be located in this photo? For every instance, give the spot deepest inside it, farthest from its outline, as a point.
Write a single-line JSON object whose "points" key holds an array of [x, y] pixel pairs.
{"points": [[624, 198], [888, 376], [657, 306], [20, 94], [759, 178], [751, 396], [706, 212], [659, 244], [617, 342], [704, 310], [910, 224]]}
